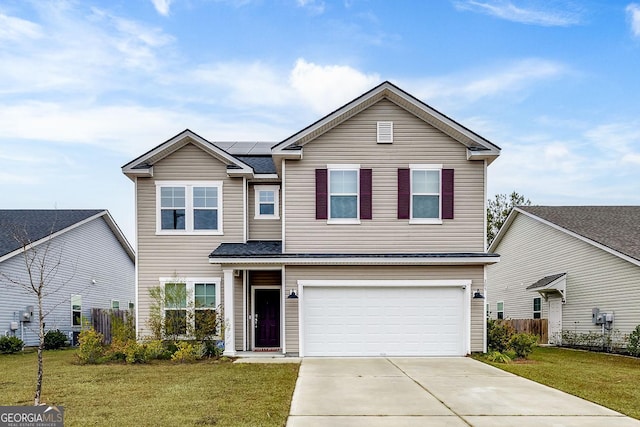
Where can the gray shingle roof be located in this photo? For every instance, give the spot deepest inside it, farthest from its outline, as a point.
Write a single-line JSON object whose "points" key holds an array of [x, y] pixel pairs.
{"points": [[260, 164], [273, 249], [37, 224], [616, 227], [545, 281]]}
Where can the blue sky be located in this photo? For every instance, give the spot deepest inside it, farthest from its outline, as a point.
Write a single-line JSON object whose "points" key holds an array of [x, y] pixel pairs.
{"points": [[87, 85]]}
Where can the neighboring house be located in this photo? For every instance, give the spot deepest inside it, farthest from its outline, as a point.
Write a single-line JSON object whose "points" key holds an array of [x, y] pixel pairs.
{"points": [[362, 234], [88, 263], [562, 262]]}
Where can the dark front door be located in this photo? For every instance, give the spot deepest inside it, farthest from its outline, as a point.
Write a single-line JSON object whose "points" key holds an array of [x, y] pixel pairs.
{"points": [[267, 321]]}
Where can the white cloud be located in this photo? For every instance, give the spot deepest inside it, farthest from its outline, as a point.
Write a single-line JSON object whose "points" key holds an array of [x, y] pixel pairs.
{"points": [[162, 6], [477, 84], [633, 13], [326, 87], [15, 29], [85, 52], [314, 6], [536, 12]]}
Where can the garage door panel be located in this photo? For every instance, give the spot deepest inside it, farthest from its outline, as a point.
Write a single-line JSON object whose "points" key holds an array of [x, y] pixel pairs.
{"points": [[372, 321]]}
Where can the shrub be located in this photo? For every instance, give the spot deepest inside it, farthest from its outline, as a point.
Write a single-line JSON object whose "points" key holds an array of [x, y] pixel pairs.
{"points": [[633, 346], [187, 352], [498, 335], [498, 357], [212, 348], [54, 340], [155, 349], [523, 344], [90, 349], [10, 345], [135, 353]]}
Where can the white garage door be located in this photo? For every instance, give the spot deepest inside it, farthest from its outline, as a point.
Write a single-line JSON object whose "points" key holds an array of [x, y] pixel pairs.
{"points": [[383, 321]]}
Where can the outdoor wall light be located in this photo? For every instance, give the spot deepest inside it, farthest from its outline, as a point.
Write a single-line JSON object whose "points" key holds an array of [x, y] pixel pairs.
{"points": [[477, 294], [292, 294]]}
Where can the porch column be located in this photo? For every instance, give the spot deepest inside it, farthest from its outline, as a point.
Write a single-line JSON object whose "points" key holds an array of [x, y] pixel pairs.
{"points": [[229, 332]]}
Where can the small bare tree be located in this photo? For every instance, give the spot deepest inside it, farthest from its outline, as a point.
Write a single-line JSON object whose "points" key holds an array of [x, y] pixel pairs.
{"points": [[42, 264]]}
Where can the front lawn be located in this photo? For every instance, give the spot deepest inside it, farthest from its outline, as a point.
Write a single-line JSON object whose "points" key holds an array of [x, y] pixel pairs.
{"points": [[606, 379], [161, 393]]}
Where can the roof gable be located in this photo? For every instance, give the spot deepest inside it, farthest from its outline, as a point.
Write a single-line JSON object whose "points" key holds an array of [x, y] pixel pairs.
{"points": [[143, 165], [477, 147], [37, 225], [615, 229]]}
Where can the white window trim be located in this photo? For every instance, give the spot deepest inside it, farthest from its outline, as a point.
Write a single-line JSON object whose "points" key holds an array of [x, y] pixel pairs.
{"points": [[190, 283], [345, 167], [276, 201], [72, 310], [115, 300], [425, 167], [500, 302], [189, 208]]}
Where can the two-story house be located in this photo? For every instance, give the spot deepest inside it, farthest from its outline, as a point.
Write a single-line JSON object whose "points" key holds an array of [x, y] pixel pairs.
{"points": [[363, 234]]}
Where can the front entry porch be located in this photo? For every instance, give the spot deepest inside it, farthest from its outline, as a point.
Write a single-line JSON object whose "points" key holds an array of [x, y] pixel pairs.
{"points": [[255, 326]]}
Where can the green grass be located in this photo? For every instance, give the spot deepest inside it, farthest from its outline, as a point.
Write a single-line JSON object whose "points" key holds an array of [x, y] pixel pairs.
{"points": [[606, 379], [162, 393]]}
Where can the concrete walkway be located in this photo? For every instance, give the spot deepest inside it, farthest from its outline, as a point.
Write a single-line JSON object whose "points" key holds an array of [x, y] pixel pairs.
{"points": [[408, 392]]}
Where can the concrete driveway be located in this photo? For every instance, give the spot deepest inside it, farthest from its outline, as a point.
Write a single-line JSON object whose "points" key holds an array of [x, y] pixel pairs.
{"points": [[408, 392]]}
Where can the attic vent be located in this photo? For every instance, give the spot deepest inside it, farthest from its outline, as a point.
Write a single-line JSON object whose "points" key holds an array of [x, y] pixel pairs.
{"points": [[385, 132]]}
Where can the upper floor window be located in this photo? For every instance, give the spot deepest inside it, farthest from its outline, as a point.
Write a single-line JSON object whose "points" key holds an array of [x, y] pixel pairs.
{"points": [[344, 194], [425, 194], [267, 200], [537, 308], [189, 207]]}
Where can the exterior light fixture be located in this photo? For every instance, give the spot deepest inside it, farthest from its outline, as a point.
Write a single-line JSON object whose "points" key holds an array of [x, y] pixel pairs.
{"points": [[292, 294], [478, 295]]}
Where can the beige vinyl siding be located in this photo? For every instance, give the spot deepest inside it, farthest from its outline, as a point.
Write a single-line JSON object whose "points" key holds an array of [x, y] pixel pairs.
{"points": [[295, 273], [263, 229], [531, 250], [238, 296], [414, 142], [182, 255]]}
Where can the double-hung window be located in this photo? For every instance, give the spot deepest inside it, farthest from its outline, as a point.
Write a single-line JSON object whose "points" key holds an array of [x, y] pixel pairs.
{"points": [[175, 309], [267, 202], [190, 307], [205, 315], [343, 193], [500, 309], [189, 207], [425, 193]]}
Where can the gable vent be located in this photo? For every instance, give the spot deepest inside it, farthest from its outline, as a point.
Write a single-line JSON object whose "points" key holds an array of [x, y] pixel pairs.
{"points": [[385, 132]]}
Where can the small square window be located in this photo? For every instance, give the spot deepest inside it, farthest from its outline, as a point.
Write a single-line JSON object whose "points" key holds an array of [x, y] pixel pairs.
{"points": [[266, 201], [115, 304]]}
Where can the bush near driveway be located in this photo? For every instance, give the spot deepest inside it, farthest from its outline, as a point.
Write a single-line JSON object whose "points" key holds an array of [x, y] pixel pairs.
{"points": [[208, 392], [606, 379]]}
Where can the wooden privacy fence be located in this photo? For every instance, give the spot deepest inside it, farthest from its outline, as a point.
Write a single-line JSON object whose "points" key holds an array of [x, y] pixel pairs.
{"points": [[538, 327], [101, 320]]}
